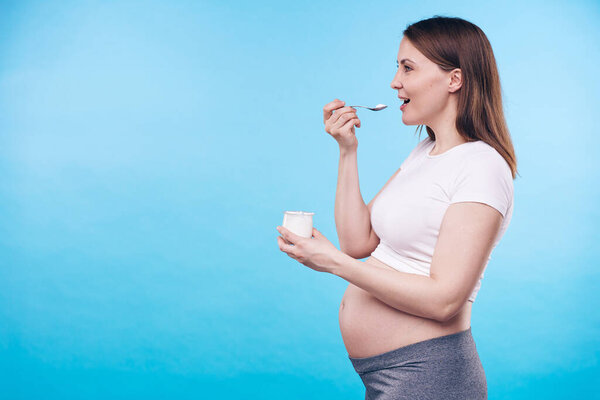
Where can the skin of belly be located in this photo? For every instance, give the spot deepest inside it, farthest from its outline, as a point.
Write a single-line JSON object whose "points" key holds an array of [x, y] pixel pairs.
{"points": [[370, 327]]}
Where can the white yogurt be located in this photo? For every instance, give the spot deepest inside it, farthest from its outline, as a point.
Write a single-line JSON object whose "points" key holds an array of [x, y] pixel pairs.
{"points": [[299, 222]]}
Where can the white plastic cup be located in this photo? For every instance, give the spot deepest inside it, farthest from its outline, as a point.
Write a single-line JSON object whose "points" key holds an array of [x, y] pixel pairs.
{"points": [[299, 222]]}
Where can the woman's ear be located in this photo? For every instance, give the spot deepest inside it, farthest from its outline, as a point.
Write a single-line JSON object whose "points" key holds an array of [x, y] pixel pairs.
{"points": [[455, 80]]}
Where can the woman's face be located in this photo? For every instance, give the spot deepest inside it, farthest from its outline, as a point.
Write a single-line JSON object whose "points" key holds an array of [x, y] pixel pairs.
{"points": [[423, 82]]}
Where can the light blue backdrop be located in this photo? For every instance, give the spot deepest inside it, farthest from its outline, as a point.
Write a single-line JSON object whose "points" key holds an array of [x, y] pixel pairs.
{"points": [[149, 149]]}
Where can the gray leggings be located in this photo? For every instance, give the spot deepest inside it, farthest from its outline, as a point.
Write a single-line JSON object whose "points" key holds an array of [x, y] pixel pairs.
{"points": [[446, 367]]}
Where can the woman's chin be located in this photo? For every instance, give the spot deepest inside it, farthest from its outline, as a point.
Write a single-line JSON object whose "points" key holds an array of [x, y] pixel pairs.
{"points": [[407, 121]]}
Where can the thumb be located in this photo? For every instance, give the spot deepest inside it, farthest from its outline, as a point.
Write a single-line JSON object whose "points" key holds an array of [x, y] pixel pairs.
{"points": [[316, 233]]}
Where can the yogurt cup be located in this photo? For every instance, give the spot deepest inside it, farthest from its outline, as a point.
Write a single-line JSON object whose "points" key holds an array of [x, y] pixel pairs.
{"points": [[299, 222]]}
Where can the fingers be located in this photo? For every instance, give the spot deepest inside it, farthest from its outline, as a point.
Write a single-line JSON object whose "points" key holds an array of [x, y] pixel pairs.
{"points": [[340, 122], [286, 247], [284, 244], [329, 107], [348, 120], [289, 236], [342, 115]]}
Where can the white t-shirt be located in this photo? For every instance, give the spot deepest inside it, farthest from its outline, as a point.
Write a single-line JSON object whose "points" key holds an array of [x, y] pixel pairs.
{"points": [[408, 213]]}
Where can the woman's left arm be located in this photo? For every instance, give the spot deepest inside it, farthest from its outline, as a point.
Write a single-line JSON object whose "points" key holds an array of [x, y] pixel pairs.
{"points": [[464, 244]]}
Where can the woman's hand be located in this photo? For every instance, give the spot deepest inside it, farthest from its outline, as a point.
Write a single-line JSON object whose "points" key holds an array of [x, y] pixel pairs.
{"points": [[317, 253], [340, 124]]}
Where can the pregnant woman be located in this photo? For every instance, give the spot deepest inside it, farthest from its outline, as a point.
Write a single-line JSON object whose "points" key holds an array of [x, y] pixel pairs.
{"points": [[429, 233]]}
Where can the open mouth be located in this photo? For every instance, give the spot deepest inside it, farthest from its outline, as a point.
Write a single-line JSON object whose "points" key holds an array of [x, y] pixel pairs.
{"points": [[406, 101]]}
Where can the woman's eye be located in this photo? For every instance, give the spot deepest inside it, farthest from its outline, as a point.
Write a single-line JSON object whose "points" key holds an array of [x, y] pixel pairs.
{"points": [[406, 66]]}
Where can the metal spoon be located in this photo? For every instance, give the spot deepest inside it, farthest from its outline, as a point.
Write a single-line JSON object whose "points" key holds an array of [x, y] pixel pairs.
{"points": [[376, 108]]}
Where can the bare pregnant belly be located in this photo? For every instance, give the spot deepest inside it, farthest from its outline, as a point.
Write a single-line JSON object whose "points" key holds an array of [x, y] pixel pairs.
{"points": [[370, 327]]}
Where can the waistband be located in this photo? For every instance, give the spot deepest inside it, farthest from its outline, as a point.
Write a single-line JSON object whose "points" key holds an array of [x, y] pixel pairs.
{"points": [[414, 353]]}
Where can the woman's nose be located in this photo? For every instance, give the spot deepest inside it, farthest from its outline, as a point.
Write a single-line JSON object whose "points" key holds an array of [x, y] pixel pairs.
{"points": [[395, 83]]}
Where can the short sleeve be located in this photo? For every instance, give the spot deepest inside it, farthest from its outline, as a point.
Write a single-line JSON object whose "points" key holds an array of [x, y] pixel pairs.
{"points": [[484, 177]]}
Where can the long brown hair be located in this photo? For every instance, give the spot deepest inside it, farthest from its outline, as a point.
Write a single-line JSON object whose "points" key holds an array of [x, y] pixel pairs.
{"points": [[455, 43]]}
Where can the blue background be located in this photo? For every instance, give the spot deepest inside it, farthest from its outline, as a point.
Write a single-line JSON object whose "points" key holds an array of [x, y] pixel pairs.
{"points": [[148, 150]]}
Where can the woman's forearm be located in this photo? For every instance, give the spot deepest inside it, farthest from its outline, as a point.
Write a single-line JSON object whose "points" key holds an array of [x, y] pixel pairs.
{"points": [[414, 294], [352, 217]]}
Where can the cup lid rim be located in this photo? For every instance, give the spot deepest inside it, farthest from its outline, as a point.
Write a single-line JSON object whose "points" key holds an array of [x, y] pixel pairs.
{"points": [[300, 212]]}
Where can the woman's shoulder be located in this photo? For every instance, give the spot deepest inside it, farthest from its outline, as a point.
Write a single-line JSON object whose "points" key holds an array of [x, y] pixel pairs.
{"points": [[481, 149], [481, 155]]}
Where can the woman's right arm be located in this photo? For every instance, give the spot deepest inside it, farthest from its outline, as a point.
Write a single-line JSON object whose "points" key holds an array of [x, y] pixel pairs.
{"points": [[352, 216]]}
